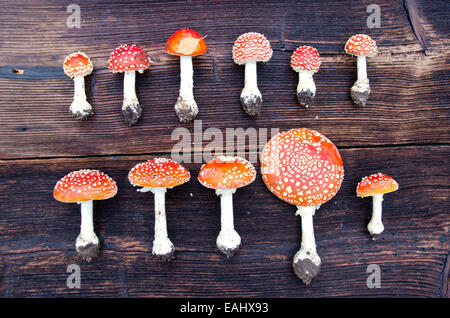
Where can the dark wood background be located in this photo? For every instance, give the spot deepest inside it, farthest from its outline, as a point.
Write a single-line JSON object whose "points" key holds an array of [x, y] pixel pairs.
{"points": [[403, 131]]}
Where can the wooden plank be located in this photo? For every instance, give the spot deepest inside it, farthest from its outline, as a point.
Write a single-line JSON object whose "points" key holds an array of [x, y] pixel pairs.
{"points": [[38, 234], [409, 103]]}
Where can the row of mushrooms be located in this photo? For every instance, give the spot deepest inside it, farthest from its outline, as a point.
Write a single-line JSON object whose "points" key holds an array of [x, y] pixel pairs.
{"points": [[249, 49], [301, 167]]}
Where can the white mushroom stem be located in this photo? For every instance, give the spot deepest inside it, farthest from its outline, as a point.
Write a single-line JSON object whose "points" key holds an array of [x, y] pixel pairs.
{"points": [[228, 240], [362, 68], [80, 106], [306, 82], [308, 245], [186, 78], [375, 226], [162, 246], [87, 234], [251, 81], [129, 89]]}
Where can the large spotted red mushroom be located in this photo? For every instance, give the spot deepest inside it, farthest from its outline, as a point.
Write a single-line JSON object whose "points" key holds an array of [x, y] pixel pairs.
{"points": [[158, 175], [303, 168], [306, 61], [186, 43], [248, 49], [362, 46], [225, 175], [83, 187], [77, 66], [128, 59], [376, 186]]}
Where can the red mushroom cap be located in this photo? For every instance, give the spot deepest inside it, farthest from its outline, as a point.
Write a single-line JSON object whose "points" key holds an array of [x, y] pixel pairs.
{"points": [[128, 58], [251, 47], [158, 173], [361, 45], [84, 185], [186, 42], [77, 64], [227, 173], [302, 167], [376, 184], [305, 58]]}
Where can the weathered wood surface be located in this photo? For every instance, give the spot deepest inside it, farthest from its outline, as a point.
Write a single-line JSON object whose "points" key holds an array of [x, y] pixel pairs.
{"points": [[403, 131], [409, 103], [38, 234]]}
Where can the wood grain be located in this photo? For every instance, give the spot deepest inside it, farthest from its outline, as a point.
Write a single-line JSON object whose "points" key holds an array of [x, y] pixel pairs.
{"points": [[409, 103], [38, 235]]}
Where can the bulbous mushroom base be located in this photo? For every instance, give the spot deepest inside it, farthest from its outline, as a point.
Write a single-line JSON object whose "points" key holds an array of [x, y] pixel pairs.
{"points": [[131, 112], [228, 242], [305, 98], [163, 249], [87, 249], [81, 109], [251, 104], [360, 92], [306, 266], [186, 109]]}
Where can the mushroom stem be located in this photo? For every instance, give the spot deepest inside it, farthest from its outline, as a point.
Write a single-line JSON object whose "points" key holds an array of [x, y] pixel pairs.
{"points": [[361, 89], [228, 240], [375, 226], [251, 99], [306, 88], [87, 244], [131, 109], [162, 246], [306, 261], [80, 107], [186, 107]]}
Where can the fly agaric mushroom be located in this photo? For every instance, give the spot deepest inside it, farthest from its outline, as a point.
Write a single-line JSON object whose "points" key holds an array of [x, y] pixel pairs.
{"points": [[157, 175], [375, 186], [128, 59], [304, 168], [225, 175], [186, 43], [248, 49], [361, 45], [306, 61], [83, 187], [77, 66]]}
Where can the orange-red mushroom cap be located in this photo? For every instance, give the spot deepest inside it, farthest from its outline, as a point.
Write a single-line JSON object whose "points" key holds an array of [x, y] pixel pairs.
{"points": [[302, 167], [84, 185], [128, 58], [251, 47], [361, 45], [376, 184], [77, 64], [305, 58], [186, 42], [227, 173], [158, 173]]}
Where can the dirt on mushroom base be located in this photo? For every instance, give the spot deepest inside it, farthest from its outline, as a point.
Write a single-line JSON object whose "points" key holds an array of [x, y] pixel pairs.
{"points": [[88, 252], [305, 98], [252, 104], [131, 113], [306, 270], [185, 110], [359, 97]]}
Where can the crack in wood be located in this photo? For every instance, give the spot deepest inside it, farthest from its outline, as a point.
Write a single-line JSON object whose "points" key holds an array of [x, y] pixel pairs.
{"points": [[416, 22]]}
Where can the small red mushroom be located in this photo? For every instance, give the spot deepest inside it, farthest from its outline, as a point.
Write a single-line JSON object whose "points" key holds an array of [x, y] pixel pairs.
{"points": [[225, 175], [375, 186], [158, 175], [361, 45], [248, 49], [77, 66], [186, 43], [304, 168], [128, 59], [82, 187], [306, 61]]}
